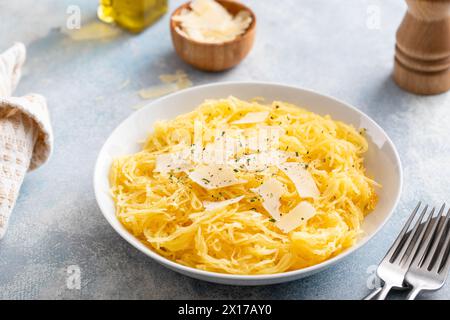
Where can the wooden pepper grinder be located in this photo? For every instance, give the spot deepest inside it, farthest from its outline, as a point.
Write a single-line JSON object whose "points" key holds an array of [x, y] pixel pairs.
{"points": [[422, 52]]}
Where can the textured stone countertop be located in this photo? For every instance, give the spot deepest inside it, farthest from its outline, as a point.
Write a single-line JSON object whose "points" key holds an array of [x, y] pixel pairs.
{"points": [[340, 48]]}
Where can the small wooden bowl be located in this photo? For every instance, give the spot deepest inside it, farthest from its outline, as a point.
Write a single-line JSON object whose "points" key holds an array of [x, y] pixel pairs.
{"points": [[214, 56]]}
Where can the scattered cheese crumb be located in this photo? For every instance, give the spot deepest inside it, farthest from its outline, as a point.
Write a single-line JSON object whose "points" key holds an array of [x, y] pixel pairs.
{"points": [[158, 91], [124, 84], [170, 83], [94, 31]]}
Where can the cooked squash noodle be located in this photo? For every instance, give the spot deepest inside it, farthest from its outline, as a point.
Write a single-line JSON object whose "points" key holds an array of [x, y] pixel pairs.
{"points": [[165, 210]]}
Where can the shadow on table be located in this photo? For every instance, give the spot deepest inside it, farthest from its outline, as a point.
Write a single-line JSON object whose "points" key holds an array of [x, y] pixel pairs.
{"points": [[312, 287], [388, 98]]}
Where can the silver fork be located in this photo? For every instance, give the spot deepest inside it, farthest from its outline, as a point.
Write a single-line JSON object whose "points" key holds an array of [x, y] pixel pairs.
{"points": [[430, 267], [394, 266]]}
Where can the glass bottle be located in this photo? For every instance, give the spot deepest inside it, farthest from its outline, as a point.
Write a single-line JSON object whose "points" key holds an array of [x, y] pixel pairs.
{"points": [[133, 15]]}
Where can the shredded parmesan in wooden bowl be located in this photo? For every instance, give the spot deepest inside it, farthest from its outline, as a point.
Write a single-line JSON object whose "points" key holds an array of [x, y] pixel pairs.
{"points": [[209, 22]]}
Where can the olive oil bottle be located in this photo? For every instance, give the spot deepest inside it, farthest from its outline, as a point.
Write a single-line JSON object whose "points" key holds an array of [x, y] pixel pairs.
{"points": [[133, 15]]}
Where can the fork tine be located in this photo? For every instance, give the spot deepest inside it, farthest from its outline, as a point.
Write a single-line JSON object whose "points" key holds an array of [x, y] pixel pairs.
{"points": [[424, 246], [416, 250], [411, 235], [443, 250], [399, 239], [446, 268], [437, 240]]}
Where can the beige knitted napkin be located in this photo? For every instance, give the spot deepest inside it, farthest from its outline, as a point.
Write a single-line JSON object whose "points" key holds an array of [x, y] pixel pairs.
{"points": [[26, 138]]}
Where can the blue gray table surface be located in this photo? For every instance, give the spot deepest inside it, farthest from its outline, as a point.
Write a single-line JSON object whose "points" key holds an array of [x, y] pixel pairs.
{"points": [[340, 48]]}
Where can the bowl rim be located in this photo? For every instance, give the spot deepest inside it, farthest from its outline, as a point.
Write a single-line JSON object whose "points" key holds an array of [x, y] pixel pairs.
{"points": [[135, 242], [240, 37]]}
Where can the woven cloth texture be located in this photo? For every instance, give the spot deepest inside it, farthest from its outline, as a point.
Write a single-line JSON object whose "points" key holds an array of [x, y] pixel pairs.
{"points": [[26, 138]]}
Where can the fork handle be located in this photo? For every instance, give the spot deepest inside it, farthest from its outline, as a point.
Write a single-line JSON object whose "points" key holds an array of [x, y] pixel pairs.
{"points": [[384, 292], [413, 293], [373, 294]]}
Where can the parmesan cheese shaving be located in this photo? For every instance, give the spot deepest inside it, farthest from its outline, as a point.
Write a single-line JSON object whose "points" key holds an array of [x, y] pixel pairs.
{"points": [[214, 176], [302, 179], [271, 191], [172, 162], [210, 205], [252, 117], [221, 150], [210, 22], [213, 154], [296, 217]]}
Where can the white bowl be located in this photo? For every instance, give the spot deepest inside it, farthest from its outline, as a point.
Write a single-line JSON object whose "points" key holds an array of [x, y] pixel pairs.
{"points": [[382, 162]]}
